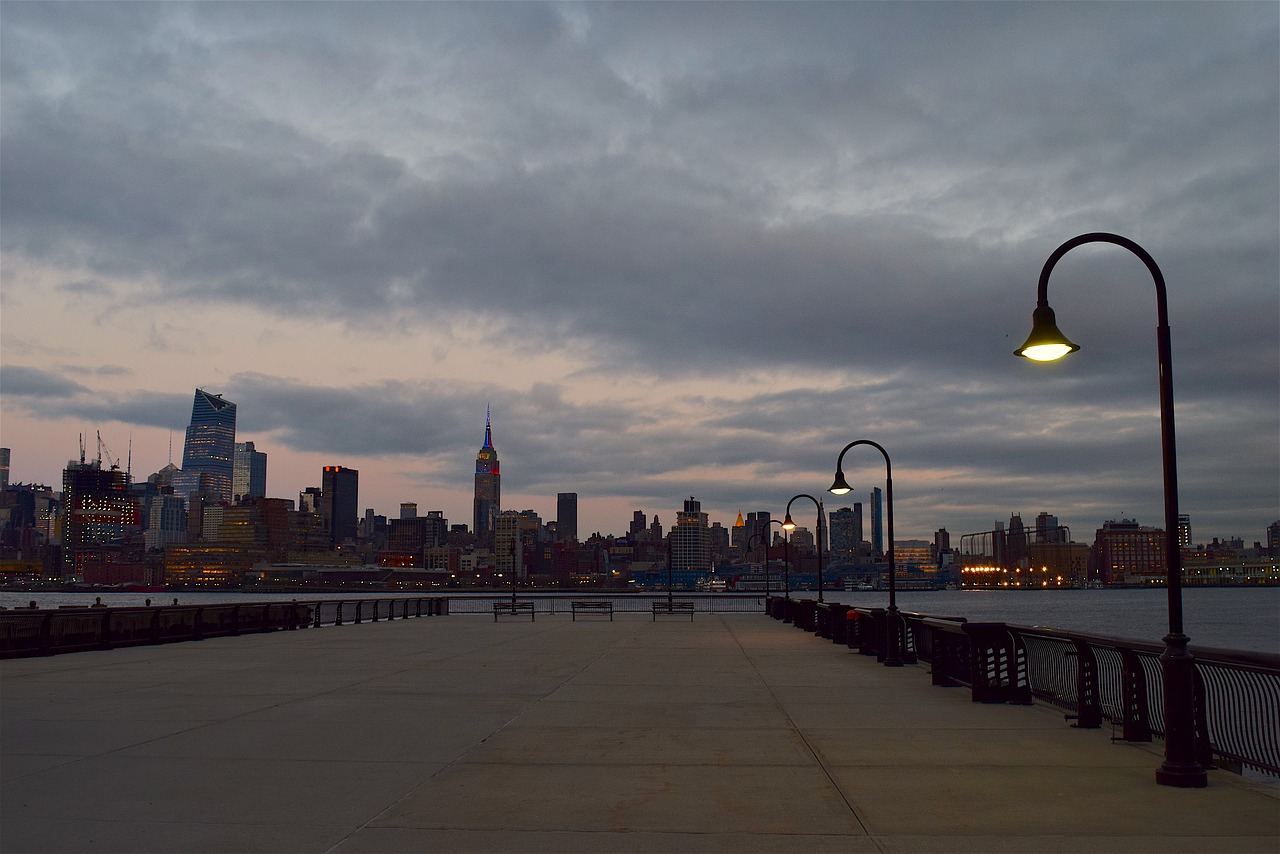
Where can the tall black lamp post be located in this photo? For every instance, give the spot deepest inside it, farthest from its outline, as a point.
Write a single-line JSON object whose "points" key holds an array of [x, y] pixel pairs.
{"points": [[1181, 768], [669, 606], [893, 653], [791, 526], [786, 563]]}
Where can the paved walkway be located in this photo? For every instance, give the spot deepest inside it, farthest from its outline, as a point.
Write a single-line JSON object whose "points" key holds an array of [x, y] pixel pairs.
{"points": [[730, 733]]}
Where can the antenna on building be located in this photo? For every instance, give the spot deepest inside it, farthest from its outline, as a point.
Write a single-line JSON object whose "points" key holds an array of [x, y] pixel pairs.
{"points": [[81, 449]]}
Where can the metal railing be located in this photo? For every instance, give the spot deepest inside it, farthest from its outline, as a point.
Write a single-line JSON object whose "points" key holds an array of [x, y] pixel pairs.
{"points": [[25, 633], [623, 603], [1094, 679]]}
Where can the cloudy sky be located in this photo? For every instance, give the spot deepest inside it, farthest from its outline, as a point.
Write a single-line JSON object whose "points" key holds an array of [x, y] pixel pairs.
{"points": [[678, 249]]}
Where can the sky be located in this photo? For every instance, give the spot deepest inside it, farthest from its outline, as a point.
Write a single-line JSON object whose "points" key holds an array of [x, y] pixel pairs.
{"points": [[677, 249]]}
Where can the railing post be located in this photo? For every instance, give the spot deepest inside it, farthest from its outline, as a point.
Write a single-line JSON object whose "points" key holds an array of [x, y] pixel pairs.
{"points": [[104, 630], [1137, 717], [359, 608], [1088, 704], [338, 617]]}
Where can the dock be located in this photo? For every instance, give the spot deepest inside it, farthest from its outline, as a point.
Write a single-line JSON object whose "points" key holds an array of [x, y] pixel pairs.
{"points": [[728, 733]]}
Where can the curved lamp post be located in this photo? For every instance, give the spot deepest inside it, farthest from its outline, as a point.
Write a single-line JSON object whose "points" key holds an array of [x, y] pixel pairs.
{"points": [[786, 564], [514, 574], [1177, 667], [789, 526], [760, 537], [892, 654]]}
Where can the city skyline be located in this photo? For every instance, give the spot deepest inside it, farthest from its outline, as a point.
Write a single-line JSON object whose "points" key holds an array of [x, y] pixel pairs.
{"points": [[688, 249]]}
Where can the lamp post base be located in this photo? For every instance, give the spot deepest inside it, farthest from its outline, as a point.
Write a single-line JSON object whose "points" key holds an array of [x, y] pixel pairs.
{"points": [[1181, 768], [893, 638]]}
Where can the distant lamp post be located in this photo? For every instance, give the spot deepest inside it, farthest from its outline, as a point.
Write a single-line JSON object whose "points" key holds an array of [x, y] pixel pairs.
{"points": [[514, 574], [669, 535], [763, 542], [786, 563], [1177, 666], [893, 654], [791, 526]]}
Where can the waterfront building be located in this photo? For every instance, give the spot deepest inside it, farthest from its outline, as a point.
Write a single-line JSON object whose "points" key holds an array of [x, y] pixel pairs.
{"points": [[487, 503], [339, 500], [1128, 554], [248, 472], [567, 516], [1047, 529], [1184, 531], [208, 455], [690, 540]]}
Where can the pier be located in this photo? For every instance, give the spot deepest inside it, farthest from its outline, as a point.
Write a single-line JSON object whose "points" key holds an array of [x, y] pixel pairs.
{"points": [[730, 732]]}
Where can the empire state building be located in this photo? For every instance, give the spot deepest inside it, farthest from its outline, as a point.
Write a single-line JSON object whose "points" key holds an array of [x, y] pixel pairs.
{"points": [[488, 500]]}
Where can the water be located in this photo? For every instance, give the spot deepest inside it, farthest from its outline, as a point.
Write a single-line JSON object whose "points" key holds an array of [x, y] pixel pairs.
{"points": [[1222, 617]]}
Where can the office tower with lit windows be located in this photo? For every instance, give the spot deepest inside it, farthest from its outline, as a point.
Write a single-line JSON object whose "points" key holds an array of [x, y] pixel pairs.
{"points": [[567, 516], [248, 472], [208, 455], [877, 522], [1184, 531], [690, 539], [487, 503], [97, 511], [845, 530], [339, 503]]}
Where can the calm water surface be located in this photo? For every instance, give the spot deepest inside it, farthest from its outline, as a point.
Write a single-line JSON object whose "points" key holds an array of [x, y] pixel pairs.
{"points": [[1228, 618]]}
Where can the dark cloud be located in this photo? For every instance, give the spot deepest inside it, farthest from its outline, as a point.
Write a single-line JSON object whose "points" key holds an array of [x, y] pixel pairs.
{"points": [[20, 381], [858, 194]]}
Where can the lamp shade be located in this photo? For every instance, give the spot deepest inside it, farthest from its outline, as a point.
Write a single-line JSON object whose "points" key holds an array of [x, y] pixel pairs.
{"points": [[787, 524], [841, 486], [1046, 342]]}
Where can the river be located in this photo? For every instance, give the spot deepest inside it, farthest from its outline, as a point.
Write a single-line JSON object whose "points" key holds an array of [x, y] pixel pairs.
{"points": [[1222, 617]]}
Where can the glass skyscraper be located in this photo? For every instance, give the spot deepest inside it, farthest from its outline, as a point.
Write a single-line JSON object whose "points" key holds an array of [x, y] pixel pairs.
{"points": [[208, 457]]}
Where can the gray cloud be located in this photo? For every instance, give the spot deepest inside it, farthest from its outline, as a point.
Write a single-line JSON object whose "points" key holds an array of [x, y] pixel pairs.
{"points": [[863, 193]]}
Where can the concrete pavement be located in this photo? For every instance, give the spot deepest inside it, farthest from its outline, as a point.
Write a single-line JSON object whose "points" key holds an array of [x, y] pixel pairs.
{"points": [[731, 733]]}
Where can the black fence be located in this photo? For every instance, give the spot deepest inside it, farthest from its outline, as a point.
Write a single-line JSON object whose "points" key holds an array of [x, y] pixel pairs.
{"points": [[26, 633], [1094, 679]]}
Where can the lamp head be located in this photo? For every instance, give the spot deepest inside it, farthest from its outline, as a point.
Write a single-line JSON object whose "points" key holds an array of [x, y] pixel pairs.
{"points": [[1045, 343], [841, 486], [787, 524]]}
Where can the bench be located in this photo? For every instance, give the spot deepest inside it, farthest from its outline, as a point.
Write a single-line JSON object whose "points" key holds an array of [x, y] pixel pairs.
{"points": [[670, 608], [513, 609], [592, 606]]}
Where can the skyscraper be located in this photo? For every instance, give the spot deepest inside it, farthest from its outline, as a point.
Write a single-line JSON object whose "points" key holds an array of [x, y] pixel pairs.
{"points": [[844, 541], [488, 495], [690, 539], [339, 502], [877, 522], [567, 516], [98, 509], [248, 472], [209, 452]]}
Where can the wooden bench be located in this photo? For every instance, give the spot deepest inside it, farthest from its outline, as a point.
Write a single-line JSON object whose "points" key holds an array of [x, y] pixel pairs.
{"points": [[592, 606], [513, 609], [670, 608]]}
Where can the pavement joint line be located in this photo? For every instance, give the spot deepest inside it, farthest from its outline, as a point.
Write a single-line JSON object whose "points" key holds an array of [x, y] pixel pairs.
{"points": [[461, 757], [792, 724]]}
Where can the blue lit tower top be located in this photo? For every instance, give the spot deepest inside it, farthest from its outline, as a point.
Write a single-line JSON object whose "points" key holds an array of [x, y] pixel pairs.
{"points": [[488, 495], [208, 457]]}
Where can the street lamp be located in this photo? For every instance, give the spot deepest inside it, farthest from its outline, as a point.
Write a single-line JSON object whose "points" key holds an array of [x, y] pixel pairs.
{"points": [[892, 654], [764, 542], [1177, 666], [791, 526], [514, 574], [786, 564]]}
